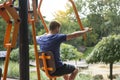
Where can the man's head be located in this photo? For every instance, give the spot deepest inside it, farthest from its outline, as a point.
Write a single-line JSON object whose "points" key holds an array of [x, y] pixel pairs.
{"points": [[54, 26]]}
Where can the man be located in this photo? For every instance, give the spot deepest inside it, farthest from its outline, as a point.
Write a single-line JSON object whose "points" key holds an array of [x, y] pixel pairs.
{"points": [[52, 41]]}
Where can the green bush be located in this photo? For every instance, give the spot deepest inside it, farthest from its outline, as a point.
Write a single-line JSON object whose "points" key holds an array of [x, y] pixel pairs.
{"points": [[14, 55], [69, 52], [32, 52], [107, 50]]}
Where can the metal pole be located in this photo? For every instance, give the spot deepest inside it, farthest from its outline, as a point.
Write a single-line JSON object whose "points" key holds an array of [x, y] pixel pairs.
{"points": [[24, 44]]}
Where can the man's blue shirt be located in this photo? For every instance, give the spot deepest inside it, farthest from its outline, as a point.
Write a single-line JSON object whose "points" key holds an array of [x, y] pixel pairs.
{"points": [[52, 43]]}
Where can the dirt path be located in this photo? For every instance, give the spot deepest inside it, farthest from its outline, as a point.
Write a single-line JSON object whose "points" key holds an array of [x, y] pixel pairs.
{"points": [[102, 69]]}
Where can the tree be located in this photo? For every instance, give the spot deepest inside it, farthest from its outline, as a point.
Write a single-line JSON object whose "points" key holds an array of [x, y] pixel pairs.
{"points": [[107, 51], [104, 16], [3, 25]]}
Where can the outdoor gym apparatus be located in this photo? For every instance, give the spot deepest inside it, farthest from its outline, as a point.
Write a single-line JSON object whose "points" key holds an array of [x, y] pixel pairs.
{"points": [[6, 12]]}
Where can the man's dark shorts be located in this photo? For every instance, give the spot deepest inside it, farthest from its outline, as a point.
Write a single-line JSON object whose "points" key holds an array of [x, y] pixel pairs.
{"points": [[65, 69]]}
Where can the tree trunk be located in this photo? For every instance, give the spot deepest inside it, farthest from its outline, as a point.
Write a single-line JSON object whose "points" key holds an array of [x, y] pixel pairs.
{"points": [[111, 68], [24, 43]]}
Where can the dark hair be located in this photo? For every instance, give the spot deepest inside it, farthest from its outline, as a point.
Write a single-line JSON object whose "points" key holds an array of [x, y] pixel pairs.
{"points": [[53, 25]]}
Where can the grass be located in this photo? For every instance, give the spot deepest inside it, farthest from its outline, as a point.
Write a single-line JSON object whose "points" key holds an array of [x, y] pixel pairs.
{"points": [[13, 69], [33, 76], [13, 72], [83, 77]]}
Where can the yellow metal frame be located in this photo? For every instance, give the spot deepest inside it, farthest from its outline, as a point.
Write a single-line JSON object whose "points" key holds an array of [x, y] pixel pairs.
{"points": [[78, 18], [6, 17], [41, 17], [46, 28], [35, 48], [32, 22], [7, 11], [35, 10], [13, 13], [45, 67]]}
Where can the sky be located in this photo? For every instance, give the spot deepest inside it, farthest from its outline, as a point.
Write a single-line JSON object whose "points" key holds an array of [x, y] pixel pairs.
{"points": [[49, 7]]}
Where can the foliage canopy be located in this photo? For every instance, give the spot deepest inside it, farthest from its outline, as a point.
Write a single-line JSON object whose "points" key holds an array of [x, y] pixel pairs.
{"points": [[107, 50]]}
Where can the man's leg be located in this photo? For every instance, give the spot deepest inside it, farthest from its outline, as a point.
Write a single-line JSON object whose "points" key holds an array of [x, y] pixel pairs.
{"points": [[73, 74], [0, 73], [66, 77]]}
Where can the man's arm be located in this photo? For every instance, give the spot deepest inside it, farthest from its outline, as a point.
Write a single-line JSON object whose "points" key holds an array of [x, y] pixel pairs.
{"points": [[77, 33]]}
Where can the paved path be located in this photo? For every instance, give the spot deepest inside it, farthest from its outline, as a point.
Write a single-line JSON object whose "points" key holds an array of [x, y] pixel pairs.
{"points": [[102, 69]]}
